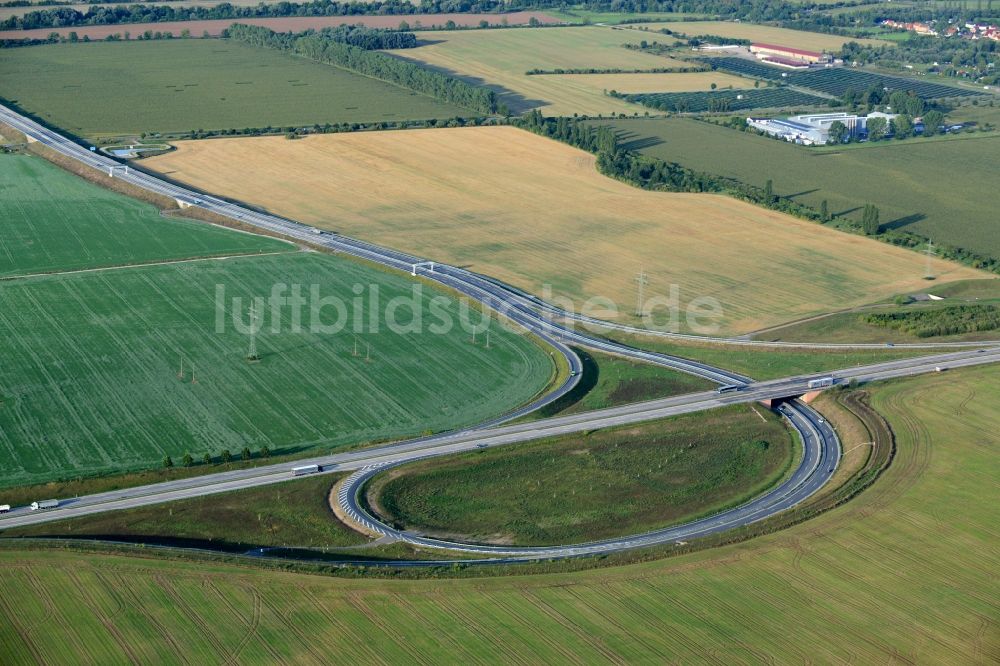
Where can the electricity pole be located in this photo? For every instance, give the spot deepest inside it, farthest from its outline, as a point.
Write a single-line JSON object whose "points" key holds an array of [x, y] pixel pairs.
{"points": [[252, 351], [642, 280], [928, 274]]}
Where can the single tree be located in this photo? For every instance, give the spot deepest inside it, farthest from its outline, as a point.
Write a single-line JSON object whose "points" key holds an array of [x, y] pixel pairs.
{"points": [[838, 132], [869, 220], [265, 452], [226, 456], [187, 460], [245, 454], [902, 126], [207, 459], [932, 122], [168, 462], [769, 191], [824, 212], [877, 129]]}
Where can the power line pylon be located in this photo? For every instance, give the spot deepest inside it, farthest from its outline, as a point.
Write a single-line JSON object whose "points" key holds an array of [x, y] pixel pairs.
{"points": [[252, 354], [642, 280]]}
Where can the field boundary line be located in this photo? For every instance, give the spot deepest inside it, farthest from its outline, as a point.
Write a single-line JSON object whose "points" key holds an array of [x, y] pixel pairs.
{"points": [[161, 262]]}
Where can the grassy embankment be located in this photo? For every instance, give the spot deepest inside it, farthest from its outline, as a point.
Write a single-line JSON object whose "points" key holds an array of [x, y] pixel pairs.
{"points": [[974, 296]]}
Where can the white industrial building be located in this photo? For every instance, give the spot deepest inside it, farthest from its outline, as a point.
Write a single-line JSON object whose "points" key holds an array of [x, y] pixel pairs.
{"points": [[814, 128]]}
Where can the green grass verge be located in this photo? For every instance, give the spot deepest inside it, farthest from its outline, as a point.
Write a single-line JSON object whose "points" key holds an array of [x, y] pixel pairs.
{"points": [[292, 515], [942, 199], [765, 363], [598, 485], [126, 88], [111, 371], [609, 380], [903, 571], [854, 327], [54, 221]]}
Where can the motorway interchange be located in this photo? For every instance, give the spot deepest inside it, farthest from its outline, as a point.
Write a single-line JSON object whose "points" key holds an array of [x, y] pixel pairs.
{"points": [[821, 448]]}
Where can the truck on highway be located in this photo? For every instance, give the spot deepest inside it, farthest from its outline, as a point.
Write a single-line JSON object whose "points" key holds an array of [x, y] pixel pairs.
{"points": [[44, 504], [729, 388], [302, 470], [4, 508], [822, 382]]}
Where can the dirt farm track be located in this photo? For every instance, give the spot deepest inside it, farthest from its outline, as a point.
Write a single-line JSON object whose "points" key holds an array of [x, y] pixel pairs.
{"points": [[284, 24]]}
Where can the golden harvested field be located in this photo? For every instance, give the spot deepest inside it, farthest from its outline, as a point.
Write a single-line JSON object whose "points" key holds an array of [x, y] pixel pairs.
{"points": [[532, 211], [501, 57], [646, 83], [799, 39]]}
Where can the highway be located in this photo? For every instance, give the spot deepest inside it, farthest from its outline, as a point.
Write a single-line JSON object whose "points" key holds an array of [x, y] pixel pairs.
{"points": [[821, 448]]}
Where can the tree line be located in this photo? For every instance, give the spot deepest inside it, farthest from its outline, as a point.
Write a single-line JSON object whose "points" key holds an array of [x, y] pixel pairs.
{"points": [[225, 457], [324, 47], [941, 321], [65, 16]]}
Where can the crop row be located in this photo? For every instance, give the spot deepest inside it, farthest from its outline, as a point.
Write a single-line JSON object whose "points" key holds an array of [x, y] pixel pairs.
{"points": [[745, 67], [838, 81]]}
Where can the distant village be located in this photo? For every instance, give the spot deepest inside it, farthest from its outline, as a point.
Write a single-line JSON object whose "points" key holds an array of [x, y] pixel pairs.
{"points": [[965, 31]]}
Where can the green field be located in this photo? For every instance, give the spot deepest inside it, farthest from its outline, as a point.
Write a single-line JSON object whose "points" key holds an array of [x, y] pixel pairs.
{"points": [[55, 221], [125, 88], [933, 188], [600, 485], [90, 381], [904, 572]]}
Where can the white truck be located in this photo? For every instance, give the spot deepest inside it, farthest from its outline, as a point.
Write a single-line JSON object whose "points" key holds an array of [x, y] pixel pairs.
{"points": [[4, 508], [44, 504], [822, 382], [306, 469]]}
